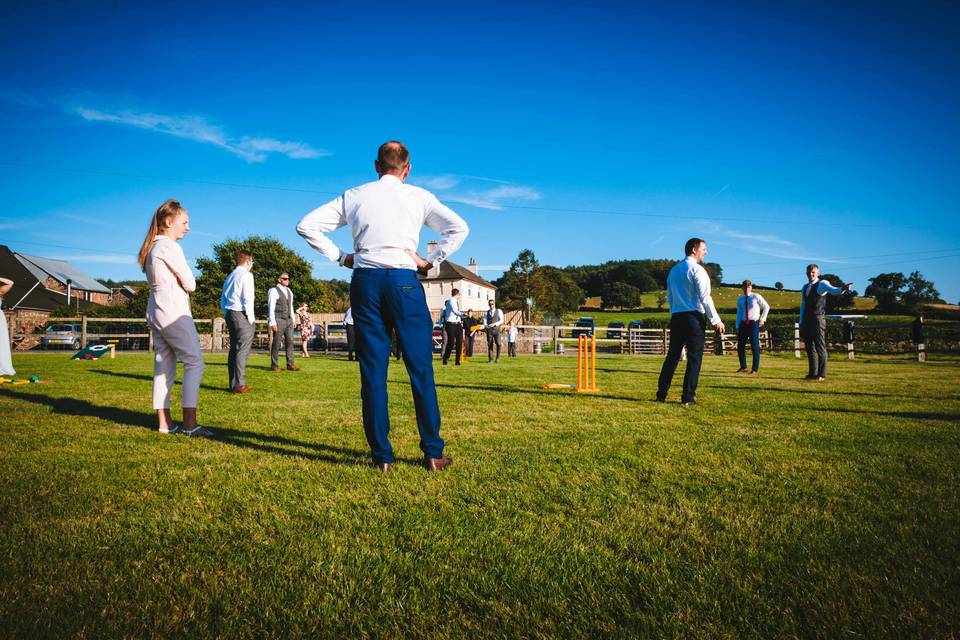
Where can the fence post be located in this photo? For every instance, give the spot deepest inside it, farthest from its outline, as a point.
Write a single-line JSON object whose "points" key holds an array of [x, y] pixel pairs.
{"points": [[83, 332], [556, 340], [326, 337], [718, 346], [849, 351], [665, 343], [796, 339], [921, 352]]}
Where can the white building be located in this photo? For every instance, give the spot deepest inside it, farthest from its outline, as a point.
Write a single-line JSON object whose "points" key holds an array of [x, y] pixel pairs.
{"points": [[442, 280]]}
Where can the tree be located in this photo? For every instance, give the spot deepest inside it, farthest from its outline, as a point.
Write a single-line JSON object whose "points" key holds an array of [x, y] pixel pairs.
{"points": [[886, 288], [270, 258], [661, 298], [556, 291], [778, 286], [919, 292], [621, 294], [844, 300]]}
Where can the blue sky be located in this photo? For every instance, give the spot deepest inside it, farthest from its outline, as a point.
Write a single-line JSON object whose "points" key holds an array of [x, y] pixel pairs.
{"points": [[586, 132]]}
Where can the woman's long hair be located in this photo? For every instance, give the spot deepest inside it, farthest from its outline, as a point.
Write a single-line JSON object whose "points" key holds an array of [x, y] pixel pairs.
{"points": [[160, 221]]}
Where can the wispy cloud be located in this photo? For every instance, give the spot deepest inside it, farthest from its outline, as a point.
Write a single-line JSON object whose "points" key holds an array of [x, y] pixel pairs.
{"points": [[98, 259], [469, 190], [199, 129], [764, 244], [8, 224], [20, 98], [722, 189]]}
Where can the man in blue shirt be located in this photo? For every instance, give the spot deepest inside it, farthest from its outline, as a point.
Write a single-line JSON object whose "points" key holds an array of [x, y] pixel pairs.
{"points": [[688, 294]]}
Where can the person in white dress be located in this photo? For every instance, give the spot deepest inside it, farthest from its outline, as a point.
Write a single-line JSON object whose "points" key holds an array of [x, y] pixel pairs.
{"points": [[6, 362], [169, 317]]}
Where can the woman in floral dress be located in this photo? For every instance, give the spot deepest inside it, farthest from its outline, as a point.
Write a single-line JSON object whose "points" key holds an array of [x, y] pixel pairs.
{"points": [[306, 327]]}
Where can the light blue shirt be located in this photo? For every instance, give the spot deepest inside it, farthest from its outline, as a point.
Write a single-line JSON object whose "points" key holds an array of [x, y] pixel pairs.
{"points": [[451, 310], [238, 293], [688, 289]]}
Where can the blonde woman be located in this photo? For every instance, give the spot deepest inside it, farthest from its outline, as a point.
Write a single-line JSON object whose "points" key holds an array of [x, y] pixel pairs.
{"points": [[169, 317], [6, 362]]}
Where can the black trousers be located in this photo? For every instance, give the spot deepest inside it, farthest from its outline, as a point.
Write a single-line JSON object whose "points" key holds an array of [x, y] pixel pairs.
{"points": [[351, 340], [814, 334], [454, 331], [687, 329]]}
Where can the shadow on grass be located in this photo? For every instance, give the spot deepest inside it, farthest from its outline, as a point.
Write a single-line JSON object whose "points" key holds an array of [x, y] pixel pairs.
{"points": [[277, 445], [149, 378], [912, 415], [536, 392], [815, 389]]}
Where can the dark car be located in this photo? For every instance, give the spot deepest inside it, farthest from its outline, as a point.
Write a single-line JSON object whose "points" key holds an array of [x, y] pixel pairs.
{"points": [[583, 327], [126, 337], [611, 330]]}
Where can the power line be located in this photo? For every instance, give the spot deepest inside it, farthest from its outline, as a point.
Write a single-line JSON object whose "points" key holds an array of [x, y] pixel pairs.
{"points": [[563, 210], [879, 255]]}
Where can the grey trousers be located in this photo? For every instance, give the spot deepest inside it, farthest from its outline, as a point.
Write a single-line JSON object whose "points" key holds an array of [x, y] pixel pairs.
{"points": [[285, 331], [493, 342], [814, 334], [241, 338]]}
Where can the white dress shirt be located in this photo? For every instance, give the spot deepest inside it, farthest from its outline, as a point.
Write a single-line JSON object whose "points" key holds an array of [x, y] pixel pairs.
{"points": [[171, 282], [688, 289], [273, 295], [451, 311], [497, 318], [823, 288], [348, 316], [238, 292], [385, 218], [753, 308]]}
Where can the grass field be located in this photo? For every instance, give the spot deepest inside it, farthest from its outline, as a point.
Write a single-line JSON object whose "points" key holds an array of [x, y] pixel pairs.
{"points": [[775, 508]]}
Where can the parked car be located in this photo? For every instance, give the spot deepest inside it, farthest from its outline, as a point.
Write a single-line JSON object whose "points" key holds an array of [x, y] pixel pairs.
{"points": [[634, 324], [611, 333], [336, 335], [438, 337], [583, 327], [61, 335]]}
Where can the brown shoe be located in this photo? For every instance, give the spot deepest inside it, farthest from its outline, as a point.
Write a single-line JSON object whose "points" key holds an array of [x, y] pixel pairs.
{"points": [[437, 464], [385, 467], [742, 370], [241, 389], [292, 367], [274, 368]]}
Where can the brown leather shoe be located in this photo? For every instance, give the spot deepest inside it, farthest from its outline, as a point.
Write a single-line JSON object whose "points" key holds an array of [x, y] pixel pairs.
{"points": [[292, 367], [274, 368], [385, 467], [437, 464], [241, 389]]}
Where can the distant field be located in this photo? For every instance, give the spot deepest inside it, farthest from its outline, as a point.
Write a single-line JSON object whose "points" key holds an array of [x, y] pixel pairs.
{"points": [[724, 297], [777, 508]]}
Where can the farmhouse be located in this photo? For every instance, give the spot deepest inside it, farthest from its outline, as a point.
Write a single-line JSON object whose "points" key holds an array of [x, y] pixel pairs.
{"points": [[441, 280]]}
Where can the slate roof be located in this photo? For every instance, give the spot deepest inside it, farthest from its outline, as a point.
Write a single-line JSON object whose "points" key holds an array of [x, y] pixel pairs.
{"points": [[453, 271]]}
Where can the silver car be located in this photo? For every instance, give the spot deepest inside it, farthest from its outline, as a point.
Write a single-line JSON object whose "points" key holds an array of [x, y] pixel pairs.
{"points": [[61, 335]]}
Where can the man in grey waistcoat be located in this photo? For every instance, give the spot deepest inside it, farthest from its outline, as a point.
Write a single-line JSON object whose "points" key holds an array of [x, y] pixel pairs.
{"points": [[280, 316]]}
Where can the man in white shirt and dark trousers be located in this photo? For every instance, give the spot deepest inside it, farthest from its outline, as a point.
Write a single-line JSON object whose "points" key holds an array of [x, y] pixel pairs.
{"points": [[813, 320], [752, 312], [351, 333], [453, 327], [385, 218], [237, 304], [280, 315], [512, 341], [688, 294], [492, 320]]}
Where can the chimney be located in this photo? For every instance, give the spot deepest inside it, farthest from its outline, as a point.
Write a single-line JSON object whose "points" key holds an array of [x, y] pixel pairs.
{"points": [[473, 266], [435, 270]]}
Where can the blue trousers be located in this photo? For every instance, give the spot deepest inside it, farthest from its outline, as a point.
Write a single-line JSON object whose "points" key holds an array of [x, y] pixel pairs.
{"points": [[687, 329], [383, 300], [749, 331]]}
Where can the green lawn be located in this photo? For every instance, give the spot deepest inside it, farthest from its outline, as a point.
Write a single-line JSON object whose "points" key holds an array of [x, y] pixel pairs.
{"points": [[775, 508]]}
